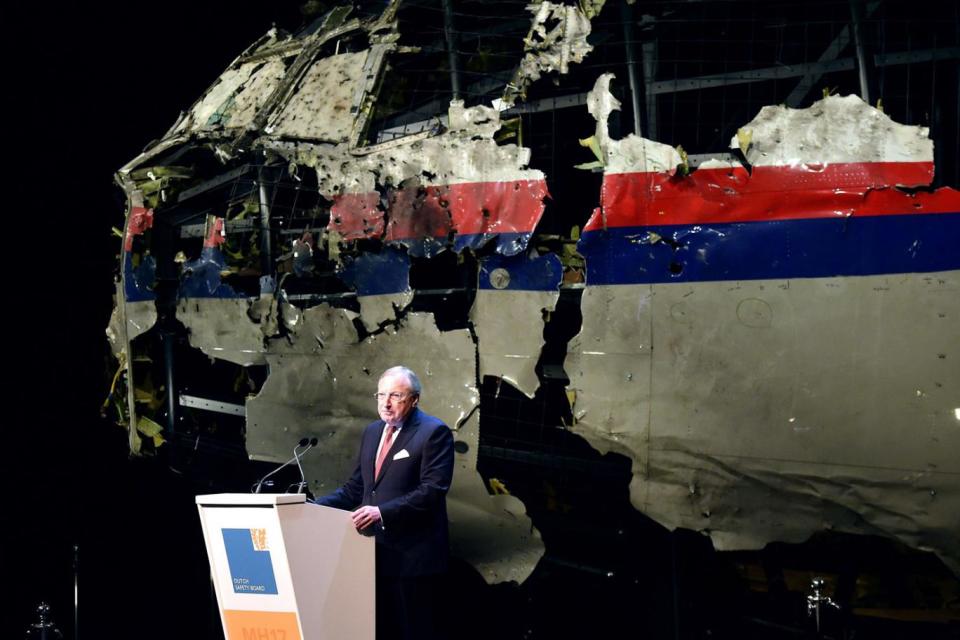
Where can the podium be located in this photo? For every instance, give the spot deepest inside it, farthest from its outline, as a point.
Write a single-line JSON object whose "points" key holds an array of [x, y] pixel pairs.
{"points": [[284, 569]]}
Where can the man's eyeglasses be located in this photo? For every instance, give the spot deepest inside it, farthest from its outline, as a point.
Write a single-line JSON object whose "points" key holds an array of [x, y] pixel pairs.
{"points": [[395, 396]]}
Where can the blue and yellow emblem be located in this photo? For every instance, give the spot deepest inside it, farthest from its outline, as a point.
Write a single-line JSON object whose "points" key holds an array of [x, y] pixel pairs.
{"points": [[251, 568]]}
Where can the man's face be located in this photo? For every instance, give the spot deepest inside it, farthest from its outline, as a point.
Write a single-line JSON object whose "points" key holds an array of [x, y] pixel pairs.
{"points": [[395, 400]]}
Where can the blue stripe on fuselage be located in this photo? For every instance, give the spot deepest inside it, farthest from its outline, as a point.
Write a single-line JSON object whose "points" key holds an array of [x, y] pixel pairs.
{"points": [[799, 248]]}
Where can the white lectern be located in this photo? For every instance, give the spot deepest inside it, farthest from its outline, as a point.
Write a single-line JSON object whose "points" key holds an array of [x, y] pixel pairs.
{"points": [[286, 570]]}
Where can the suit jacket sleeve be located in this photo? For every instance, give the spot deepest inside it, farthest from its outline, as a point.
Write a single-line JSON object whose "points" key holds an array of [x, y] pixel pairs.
{"points": [[436, 473]]}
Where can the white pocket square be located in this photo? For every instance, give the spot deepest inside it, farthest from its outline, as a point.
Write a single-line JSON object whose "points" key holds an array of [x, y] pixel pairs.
{"points": [[403, 453]]}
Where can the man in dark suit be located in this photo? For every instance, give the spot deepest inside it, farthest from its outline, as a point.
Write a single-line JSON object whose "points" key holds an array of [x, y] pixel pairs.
{"points": [[398, 491]]}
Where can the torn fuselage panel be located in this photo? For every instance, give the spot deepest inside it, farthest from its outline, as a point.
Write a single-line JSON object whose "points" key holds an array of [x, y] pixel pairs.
{"points": [[427, 219], [633, 153], [770, 346], [457, 190], [135, 309], [512, 289], [323, 106], [238, 95], [129, 320], [557, 38], [382, 283], [863, 145], [286, 88], [273, 87], [228, 328]]}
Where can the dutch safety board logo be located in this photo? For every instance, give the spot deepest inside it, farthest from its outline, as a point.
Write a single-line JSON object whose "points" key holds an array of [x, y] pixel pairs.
{"points": [[251, 568]]}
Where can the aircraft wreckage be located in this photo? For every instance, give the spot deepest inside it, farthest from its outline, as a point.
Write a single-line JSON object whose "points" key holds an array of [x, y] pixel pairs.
{"points": [[770, 337]]}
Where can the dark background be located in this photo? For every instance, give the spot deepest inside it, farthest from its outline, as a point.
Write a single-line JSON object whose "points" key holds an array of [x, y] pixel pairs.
{"points": [[87, 88]]}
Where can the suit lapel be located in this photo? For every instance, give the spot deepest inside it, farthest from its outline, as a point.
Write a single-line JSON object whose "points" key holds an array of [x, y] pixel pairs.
{"points": [[398, 443]]}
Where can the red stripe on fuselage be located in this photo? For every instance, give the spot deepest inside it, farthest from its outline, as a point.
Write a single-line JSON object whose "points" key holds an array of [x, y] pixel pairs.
{"points": [[436, 211], [769, 193]]}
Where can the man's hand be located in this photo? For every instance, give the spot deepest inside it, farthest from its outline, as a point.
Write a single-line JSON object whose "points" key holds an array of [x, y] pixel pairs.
{"points": [[365, 517]]}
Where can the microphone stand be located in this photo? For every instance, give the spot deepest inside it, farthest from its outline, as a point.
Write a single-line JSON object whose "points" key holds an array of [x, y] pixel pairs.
{"points": [[296, 458], [303, 478]]}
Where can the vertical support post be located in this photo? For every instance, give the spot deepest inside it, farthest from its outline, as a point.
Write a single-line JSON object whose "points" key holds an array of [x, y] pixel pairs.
{"points": [[449, 33], [626, 12], [649, 77], [76, 592], [865, 65], [168, 283], [168, 338], [266, 248]]}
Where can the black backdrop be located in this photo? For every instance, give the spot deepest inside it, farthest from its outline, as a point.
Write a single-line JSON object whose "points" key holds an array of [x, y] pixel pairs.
{"points": [[87, 86]]}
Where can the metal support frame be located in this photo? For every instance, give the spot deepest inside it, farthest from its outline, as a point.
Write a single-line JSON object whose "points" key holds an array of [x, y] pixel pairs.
{"points": [[168, 338], [548, 104], [213, 183], [811, 72], [167, 280], [795, 70], [266, 245], [865, 62], [216, 406], [832, 52], [649, 80], [807, 82], [409, 120], [425, 126], [626, 11], [449, 35], [366, 92], [229, 226]]}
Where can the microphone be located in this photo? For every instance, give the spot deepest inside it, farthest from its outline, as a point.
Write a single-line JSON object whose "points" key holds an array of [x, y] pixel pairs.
{"points": [[303, 478], [296, 458]]}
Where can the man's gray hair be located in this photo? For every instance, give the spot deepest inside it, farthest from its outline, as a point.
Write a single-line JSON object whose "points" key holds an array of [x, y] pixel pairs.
{"points": [[406, 373]]}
